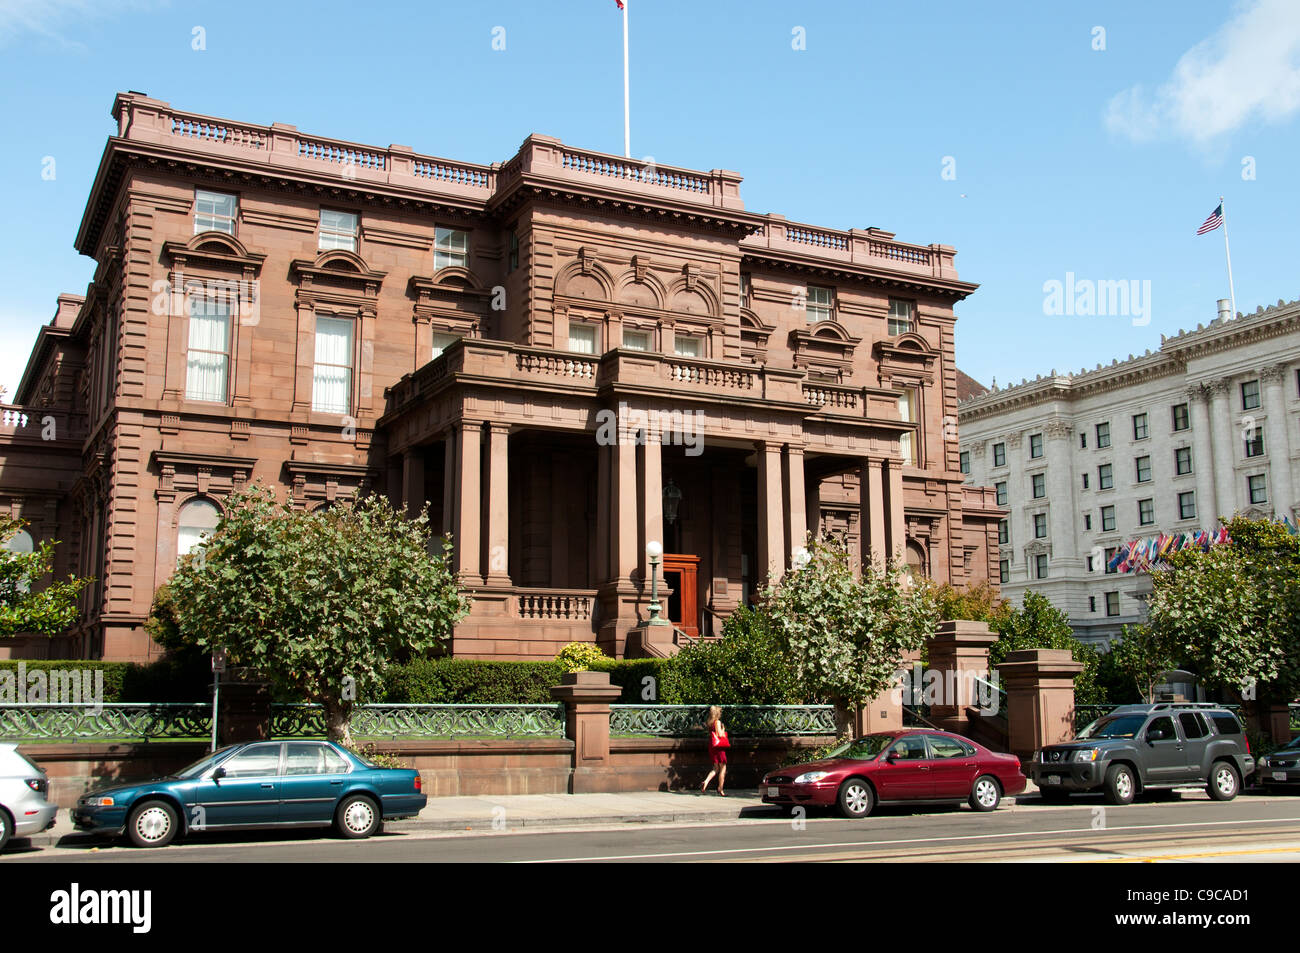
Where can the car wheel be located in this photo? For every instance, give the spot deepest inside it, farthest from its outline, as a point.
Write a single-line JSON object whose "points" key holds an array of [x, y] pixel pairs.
{"points": [[856, 798], [6, 828], [152, 824], [986, 793], [1121, 785], [1224, 781], [358, 817]]}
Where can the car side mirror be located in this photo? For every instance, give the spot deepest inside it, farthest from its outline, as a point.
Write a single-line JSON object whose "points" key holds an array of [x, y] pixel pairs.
{"points": [[218, 774], [1157, 734], [892, 756]]}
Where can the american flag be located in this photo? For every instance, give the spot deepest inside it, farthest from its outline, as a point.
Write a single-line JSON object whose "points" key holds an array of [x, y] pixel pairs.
{"points": [[1213, 222]]}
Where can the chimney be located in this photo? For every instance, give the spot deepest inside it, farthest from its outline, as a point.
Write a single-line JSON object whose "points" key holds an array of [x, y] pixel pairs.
{"points": [[1225, 309]]}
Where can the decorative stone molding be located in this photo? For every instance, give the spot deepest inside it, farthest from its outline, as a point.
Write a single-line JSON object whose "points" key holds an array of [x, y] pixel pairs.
{"points": [[1058, 429], [1013, 438], [1273, 372]]}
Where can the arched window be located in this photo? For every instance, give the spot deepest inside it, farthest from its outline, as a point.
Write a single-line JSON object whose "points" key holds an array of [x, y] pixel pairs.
{"points": [[198, 519], [21, 542]]}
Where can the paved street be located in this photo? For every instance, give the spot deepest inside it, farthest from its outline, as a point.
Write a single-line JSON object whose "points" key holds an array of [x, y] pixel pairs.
{"points": [[1189, 829]]}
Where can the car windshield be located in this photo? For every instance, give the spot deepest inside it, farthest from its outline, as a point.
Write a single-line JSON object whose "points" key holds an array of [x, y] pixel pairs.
{"points": [[862, 749], [207, 761], [1116, 726]]}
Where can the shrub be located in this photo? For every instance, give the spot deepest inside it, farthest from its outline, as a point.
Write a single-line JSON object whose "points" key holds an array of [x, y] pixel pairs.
{"points": [[746, 667], [580, 656], [471, 681]]}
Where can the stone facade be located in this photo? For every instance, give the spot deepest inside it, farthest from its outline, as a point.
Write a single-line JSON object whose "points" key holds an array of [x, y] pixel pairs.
{"points": [[551, 354], [1206, 427]]}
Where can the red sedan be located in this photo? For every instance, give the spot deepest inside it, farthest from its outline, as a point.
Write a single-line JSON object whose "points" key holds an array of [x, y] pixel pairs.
{"points": [[904, 765]]}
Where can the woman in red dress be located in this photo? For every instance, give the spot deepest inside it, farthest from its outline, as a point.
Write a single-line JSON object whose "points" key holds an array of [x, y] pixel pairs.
{"points": [[718, 745]]}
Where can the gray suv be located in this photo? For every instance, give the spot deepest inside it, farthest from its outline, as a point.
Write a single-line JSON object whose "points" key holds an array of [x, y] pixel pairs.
{"points": [[23, 789], [1137, 748]]}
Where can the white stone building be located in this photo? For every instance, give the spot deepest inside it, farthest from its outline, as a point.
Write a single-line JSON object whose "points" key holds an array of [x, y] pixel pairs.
{"points": [[1206, 427]]}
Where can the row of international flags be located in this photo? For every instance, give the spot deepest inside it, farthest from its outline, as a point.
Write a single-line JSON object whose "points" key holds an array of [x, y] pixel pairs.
{"points": [[1141, 555]]}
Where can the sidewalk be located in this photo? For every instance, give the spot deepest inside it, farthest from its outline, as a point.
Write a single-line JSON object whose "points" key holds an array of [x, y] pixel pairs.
{"points": [[538, 811]]}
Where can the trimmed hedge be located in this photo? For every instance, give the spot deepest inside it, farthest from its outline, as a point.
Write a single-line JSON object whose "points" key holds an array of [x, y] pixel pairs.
{"points": [[485, 682], [178, 678]]}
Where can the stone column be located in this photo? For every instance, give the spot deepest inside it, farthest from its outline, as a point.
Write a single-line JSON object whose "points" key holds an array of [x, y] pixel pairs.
{"points": [[813, 506], [587, 697], [652, 480], [413, 481], [467, 538], [623, 515], [895, 525], [885, 711], [498, 504], [1198, 409], [959, 652], [1277, 441], [771, 523], [1223, 434], [871, 503], [1040, 698], [1061, 518], [796, 514]]}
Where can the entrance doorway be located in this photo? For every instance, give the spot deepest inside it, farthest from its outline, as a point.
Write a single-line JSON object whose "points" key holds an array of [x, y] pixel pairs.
{"points": [[680, 576]]}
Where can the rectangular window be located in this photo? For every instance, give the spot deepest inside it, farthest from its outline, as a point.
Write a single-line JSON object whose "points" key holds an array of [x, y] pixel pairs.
{"points": [[820, 304], [1105, 477], [900, 317], [1255, 484], [1103, 436], [582, 338], [1040, 566], [907, 411], [1110, 554], [1004, 532], [1143, 466], [338, 230], [1040, 526], [1141, 428], [1083, 441], [1039, 481], [999, 454], [1087, 521], [450, 248], [686, 346], [1112, 603], [1146, 512], [1085, 481], [1183, 460], [214, 212], [1108, 519], [514, 252], [1004, 571], [1001, 490], [1092, 603], [442, 341], [1035, 446], [1255, 442], [1249, 395], [1187, 505], [207, 363], [1089, 564], [744, 289], [1182, 419], [636, 340], [331, 390], [965, 461]]}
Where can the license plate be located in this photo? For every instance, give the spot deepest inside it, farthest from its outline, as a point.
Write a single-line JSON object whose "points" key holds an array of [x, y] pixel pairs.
{"points": [[1279, 775], [773, 792], [1052, 779]]}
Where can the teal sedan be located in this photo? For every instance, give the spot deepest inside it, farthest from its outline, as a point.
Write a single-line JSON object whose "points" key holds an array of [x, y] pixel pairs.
{"points": [[262, 784]]}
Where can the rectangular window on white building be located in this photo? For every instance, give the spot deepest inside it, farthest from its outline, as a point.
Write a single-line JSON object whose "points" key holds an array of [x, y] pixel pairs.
{"points": [[1182, 419], [1103, 436], [1112, 603], [1146, 512], [1249, 395], [999, 454], [1040, 485], [1141, 427], [1040, 566], [1187, 505], [1143, 466], [1108, 519], [1255, 486], [1040, 526], [1183, 460], [1105, 476]]}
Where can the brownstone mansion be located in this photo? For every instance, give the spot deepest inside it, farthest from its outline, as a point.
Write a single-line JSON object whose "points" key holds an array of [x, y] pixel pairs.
{"points": [[565, 357]]}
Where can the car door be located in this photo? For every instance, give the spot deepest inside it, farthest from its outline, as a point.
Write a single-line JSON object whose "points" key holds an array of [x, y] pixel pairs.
{"points": [[952, 766], [1196, 735], [1166, 757], [904, 770], [314, 778], [246, 792]]}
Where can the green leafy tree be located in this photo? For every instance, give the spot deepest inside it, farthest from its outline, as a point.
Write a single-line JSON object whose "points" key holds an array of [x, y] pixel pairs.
{"points": [[844, 634], [1234, 611], [1037, 624], [23, 608], [1142, 658], [979, 603], [320, 603]]}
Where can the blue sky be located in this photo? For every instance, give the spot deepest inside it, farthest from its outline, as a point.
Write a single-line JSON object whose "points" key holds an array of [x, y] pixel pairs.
{"points": [[1100, 162]]}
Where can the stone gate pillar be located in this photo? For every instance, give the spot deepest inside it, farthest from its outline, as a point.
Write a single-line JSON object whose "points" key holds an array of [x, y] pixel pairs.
{"points": [[1040, 698], [586, 697], [959, 652]]}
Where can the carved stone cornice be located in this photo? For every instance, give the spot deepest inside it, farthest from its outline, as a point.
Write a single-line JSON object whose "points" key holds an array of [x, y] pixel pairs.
{"points": [[1273, 372]]}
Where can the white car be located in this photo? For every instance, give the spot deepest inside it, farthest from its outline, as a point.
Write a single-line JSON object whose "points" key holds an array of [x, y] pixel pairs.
{"points": [[23, 787]]}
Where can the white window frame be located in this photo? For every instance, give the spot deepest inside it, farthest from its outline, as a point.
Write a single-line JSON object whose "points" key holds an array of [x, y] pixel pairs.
{"points": [[823, 309], [447, 250], [696, 340], [637, 332], [321, 381], [197, 355], [901, 316], [334, 234], [576, 340], [209, 219]]}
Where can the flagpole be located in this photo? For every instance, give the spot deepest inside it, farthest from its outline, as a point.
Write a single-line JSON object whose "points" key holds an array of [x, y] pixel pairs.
{"points": [[627, 114], [1231, 293]]}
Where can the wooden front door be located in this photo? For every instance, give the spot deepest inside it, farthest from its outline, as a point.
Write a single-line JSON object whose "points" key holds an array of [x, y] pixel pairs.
{"points": [[683, 611]]}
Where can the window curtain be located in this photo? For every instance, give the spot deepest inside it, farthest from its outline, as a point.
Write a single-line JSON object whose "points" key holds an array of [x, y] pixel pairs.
{"points": [[207, 361], [332, 381]]}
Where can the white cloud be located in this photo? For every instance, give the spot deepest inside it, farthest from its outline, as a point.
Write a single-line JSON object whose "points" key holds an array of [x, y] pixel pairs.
{"points": [[49, 18], [1249, 70]]}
